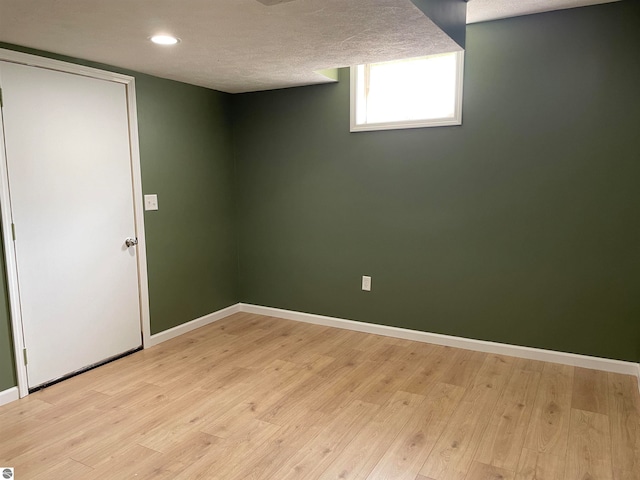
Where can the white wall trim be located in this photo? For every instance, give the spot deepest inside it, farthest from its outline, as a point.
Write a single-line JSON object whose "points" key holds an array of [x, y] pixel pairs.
{"points": [[5, 203], [585, 361], [192, 325], [573, 359], [9, 395]]}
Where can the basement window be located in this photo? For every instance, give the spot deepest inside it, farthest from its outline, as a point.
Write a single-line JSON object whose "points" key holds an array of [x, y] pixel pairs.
{"points": [[412, 93]]}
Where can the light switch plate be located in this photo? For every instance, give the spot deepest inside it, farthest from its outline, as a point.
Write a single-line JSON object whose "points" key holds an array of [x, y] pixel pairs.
{"points": [[366, 283], [151, 202]]}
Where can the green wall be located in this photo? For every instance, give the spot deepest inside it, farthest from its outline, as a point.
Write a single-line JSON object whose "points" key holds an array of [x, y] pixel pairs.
{"points": [[7, 367], [186, 158], [520, 226]]}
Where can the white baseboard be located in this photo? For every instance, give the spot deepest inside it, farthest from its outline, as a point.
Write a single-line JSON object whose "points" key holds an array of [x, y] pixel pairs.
{"points": [[9, 395], [576, 360], [192, 325]]}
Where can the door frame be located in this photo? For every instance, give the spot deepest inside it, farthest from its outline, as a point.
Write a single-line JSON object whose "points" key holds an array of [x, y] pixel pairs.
{"points": [[5, 205]]}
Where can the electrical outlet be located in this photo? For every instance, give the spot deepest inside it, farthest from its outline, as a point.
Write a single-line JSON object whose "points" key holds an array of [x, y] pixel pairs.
{"points": [[366, 283], [151, 202]]}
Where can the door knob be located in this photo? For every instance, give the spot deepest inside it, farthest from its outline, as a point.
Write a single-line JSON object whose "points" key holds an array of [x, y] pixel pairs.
{"points": [[131, 241]]}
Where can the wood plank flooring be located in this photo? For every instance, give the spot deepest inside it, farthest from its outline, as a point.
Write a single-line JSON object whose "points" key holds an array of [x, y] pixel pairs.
{"points": [[253, 397]]}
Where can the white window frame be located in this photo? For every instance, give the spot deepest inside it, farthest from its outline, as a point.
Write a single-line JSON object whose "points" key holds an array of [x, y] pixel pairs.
{"points": [[434, 122]]}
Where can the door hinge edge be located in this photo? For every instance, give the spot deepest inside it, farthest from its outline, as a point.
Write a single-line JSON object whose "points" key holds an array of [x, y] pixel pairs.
{"points": [[24, 353], [13, 231]]}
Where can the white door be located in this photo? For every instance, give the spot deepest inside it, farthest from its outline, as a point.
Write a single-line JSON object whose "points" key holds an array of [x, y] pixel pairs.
{"points": [[69, 167]]}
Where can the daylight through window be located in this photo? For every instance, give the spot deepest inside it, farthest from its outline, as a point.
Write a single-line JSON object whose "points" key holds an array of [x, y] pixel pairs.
{"points": [[417, 92]]}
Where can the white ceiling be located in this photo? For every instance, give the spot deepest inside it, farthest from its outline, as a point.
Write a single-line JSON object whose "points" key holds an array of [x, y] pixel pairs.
{"points": [[241, 45], [228, 45], [484, 10]]}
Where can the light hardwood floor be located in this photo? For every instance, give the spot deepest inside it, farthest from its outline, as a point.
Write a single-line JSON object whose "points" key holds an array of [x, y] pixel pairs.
{"points": [[254, 397]]}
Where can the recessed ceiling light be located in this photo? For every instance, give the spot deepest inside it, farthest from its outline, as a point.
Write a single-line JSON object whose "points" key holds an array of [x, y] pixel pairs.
{"points": [[164, 39]]}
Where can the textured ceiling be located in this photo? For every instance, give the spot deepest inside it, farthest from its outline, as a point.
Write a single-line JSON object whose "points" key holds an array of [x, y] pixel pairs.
{"points": [[243, 45], [228, 45], [483, 10]]}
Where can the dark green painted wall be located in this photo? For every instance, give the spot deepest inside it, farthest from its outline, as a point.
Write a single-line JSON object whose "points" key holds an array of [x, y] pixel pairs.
{"points": [[7, 368], [186, 158], [520, 226]]}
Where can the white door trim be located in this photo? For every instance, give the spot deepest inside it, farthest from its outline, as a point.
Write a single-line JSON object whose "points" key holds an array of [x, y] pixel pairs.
{"points": [[9, 251]]}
